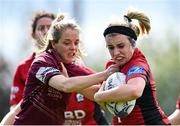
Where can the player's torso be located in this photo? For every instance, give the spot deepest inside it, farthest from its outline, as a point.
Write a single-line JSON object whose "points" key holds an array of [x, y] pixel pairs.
{"points": [[146, 110], [79, 110]]}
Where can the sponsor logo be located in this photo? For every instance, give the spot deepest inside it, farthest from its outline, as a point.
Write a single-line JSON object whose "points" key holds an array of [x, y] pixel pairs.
{"points": [[135, 70], [79, 97], [14, 89], [76, 114]]}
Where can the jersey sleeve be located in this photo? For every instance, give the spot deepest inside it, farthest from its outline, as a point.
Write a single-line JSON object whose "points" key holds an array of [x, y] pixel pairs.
{"points": [[138, 69], [43, 71]]}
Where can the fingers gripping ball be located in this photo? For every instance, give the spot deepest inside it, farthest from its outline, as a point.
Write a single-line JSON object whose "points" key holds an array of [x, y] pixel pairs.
{"points": [[120, 109]]}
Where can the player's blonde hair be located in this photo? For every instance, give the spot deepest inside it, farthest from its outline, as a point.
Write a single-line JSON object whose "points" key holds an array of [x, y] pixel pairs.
{"points": [[134, 19], [58, 26]]}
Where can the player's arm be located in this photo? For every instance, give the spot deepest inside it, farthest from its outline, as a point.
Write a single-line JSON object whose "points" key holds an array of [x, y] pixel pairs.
{"points": [[175, 117], [90, 91], [74, 84], [130, 91], [102, 104], [9, 118]]}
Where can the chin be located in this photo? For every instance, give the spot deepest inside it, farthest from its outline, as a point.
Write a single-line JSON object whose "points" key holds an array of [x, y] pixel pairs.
{"points": [[70, 61], [120, 63]]}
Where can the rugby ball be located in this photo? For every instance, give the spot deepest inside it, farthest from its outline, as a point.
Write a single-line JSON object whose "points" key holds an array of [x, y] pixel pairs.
{"points": [[120, 109]]}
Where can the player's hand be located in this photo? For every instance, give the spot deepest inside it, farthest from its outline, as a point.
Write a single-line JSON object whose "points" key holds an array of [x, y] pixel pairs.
{"points": [[102, 104], [112, 69], [64, 70]]}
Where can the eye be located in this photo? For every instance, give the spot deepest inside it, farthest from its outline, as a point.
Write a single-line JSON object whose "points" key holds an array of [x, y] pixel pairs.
{"points": [[76, 43], [66, 42], [48, 26], [120, 46], [41, 28], [110, 47]]}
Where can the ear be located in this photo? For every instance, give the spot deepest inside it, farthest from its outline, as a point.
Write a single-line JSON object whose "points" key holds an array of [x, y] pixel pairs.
{"points": [[33, 35], [53, 44]]}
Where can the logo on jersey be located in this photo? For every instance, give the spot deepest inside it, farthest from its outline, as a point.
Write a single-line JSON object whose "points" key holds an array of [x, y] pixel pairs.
{"points": [[14, 89], [135, 70], [76, 114], [44, 71], [79, 97]]}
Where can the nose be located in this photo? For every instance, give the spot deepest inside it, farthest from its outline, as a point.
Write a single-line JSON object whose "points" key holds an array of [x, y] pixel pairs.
{"points": [[46, 29], [116, 51], [73, 46]]}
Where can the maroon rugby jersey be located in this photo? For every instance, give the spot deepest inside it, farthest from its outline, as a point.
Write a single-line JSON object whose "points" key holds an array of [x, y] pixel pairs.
{"points": [[43, 104], [146, 110], [19, 80]]}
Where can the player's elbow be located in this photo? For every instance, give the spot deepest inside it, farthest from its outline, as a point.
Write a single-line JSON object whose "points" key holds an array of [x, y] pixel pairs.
{"points": [[67, 88]]}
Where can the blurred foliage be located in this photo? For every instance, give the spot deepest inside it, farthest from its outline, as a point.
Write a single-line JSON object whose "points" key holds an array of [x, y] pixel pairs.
{"points": [[165, 64], [4, 102], [5, 80]]}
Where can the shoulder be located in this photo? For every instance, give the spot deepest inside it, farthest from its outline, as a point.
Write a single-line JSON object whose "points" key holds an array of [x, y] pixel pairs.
{"points": [[138, 61], [25, 64], [87, 69], [45, 58], [78, 70], [139, 57]]}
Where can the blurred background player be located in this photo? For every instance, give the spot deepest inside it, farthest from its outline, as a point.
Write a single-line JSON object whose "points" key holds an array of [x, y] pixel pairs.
{"points": [[40, 25], [41, 22]]}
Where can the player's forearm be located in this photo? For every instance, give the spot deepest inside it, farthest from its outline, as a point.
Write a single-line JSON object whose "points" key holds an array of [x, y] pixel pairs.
{"points": [[89, 92], [175, 117], [122, 93], [74, 84]]}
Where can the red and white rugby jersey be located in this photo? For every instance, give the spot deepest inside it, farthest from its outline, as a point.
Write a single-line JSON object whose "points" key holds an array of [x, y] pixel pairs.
{"points": [[146, 110], [19, 80]]}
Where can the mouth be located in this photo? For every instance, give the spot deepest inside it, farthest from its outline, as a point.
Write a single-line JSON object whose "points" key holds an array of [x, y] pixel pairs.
{"points": [[118, 58], [72, 54]]}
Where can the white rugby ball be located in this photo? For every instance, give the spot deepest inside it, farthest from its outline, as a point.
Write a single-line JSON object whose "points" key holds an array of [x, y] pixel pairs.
{"points": [[120, 109]]}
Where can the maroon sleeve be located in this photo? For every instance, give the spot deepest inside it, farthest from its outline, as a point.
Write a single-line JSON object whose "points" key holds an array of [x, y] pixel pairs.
{"points": [[45, 73], [43, 70]]}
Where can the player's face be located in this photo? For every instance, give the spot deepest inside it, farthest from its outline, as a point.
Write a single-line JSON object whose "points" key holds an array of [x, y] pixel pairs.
{"points": [[68, 45], [119, 48], [43, 25]]}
